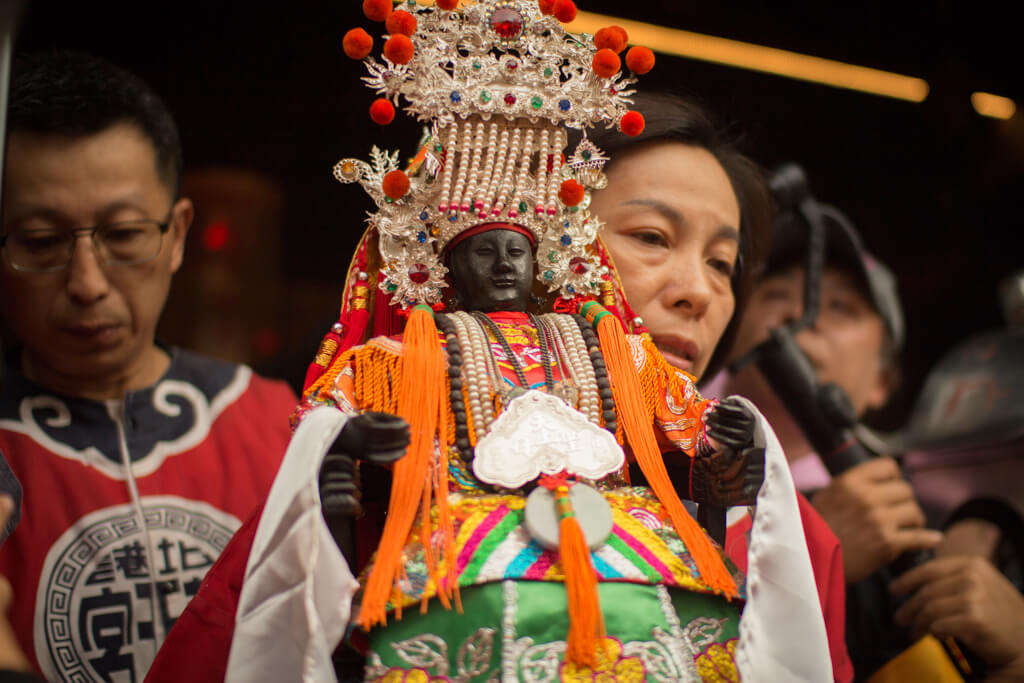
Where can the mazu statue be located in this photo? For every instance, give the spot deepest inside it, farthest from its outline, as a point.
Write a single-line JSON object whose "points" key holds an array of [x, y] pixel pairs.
{"points": [[494, 474]]}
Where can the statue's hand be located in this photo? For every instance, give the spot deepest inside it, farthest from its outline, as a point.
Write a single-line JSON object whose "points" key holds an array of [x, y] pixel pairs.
{"points": [[339, 488], [728, 467], [378, 438]]}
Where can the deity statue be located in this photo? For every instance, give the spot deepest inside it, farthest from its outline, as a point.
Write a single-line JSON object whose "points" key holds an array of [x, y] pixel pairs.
{"points": [[535, 448], [534, 426]]}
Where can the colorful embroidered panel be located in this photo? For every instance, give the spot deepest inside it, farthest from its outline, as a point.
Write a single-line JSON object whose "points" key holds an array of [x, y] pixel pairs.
{"points": [[492, 544], [518, 628]]}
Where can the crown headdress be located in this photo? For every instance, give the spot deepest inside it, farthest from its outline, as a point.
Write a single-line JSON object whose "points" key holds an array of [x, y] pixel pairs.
{"points": [[498, 82]]}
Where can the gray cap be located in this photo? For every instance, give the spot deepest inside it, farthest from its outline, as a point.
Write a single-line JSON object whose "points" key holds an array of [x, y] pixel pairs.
{"points": [[973, 397], [843, 249]]}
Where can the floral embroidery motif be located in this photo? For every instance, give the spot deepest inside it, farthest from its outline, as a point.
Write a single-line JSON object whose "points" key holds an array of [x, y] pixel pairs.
{"points": [[410, 676], [612, 666], [666, 658], [717, 663], [427, 657]]}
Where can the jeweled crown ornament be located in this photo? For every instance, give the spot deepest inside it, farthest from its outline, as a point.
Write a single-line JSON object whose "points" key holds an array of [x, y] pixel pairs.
{"points": [[497, 82]]}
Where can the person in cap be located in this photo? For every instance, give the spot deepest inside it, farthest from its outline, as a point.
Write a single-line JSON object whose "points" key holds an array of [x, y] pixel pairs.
{"points": [[505, 344], [853, 343]]}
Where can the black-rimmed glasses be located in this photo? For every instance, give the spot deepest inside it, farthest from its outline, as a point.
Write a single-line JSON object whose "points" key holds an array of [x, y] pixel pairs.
{"points": [[125, 243]]}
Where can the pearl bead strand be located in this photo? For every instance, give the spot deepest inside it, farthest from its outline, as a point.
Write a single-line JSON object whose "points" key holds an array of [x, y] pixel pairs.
{"points": [[510, 168], [524, 172], [449, 168]]}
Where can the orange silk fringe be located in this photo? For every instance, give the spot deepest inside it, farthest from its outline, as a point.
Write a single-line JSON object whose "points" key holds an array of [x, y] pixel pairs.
{"points": [[586, 623], [633, 415], [421, 403]]}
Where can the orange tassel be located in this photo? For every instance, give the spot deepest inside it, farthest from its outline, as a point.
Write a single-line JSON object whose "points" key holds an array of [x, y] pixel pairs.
{"points": [[447, 582], [419, 402], [634, 419], [586, 623]]}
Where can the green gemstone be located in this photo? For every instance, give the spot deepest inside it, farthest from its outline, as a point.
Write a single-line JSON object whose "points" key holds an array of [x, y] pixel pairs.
{"points": [[438, 148], [536, 102], [522, 207], [391, 287], [485, 96], [388, 200], [548, 275], [574, 209], [477, 65], [548, 72], [586, 155], [553, 256]]}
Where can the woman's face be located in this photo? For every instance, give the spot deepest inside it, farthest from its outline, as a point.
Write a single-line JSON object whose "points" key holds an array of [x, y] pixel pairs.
{"points": [[671, 222]]}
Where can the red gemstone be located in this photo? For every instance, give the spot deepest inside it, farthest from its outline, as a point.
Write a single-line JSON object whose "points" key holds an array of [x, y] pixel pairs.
{"points": [[511, 66], [507, 23], [578, 265], [510, 99], [419, 273]]}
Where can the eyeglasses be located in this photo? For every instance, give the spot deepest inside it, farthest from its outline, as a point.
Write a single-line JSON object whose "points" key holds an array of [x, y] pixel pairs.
{"points": [[125, 243]]}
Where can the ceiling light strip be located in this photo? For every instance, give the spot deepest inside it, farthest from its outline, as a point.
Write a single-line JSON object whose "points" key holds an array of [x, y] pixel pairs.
{"points": [[759, 58], [995, 106]]}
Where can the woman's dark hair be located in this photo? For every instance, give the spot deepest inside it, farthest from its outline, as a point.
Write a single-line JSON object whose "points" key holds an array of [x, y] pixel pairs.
{"points": [[670, 118], [76, 95]]}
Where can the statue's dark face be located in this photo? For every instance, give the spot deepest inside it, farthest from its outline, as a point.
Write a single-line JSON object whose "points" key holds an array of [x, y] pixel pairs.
{"points": [[493, 271]]}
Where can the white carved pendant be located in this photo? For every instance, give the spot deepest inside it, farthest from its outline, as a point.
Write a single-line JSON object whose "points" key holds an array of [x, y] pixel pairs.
{"points": [[538, 433]]}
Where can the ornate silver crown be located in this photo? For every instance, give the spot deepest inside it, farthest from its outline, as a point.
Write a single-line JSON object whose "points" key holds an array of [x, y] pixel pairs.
{"points": [[501, 58], [498, 83]]}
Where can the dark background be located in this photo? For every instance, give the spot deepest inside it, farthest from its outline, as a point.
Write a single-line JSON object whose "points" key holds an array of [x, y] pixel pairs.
{"points": [[934, 187]]}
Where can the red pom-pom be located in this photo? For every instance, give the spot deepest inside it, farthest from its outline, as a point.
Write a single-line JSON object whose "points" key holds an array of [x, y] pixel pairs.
{"points": [[447, 4], [564, 10], [377, 10], [640, 59], [571, 192], [613, 38], [395, 184], [546, 6], [632, 123], [399, 49], [357, 43], [382, 112], [606, 63], [402, 22]]}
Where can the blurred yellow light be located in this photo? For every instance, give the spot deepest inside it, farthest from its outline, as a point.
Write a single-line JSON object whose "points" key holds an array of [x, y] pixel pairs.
{"points": [[995, 106], [760, 58]]}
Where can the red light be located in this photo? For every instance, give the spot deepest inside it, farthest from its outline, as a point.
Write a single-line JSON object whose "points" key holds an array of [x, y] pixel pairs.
{"points": [[265, 342], [216, 236]]}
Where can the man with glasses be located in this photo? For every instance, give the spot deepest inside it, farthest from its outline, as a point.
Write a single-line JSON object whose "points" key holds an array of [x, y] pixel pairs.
{"points": [[137, 460]]}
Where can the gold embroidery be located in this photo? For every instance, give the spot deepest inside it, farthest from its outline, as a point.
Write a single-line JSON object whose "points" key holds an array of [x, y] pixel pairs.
{"points": [[326, 352], [611, 667], [717, 663]]}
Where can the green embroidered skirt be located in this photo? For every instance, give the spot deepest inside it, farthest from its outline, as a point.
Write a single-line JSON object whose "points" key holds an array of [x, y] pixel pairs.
{"points": [[516, 630]]}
